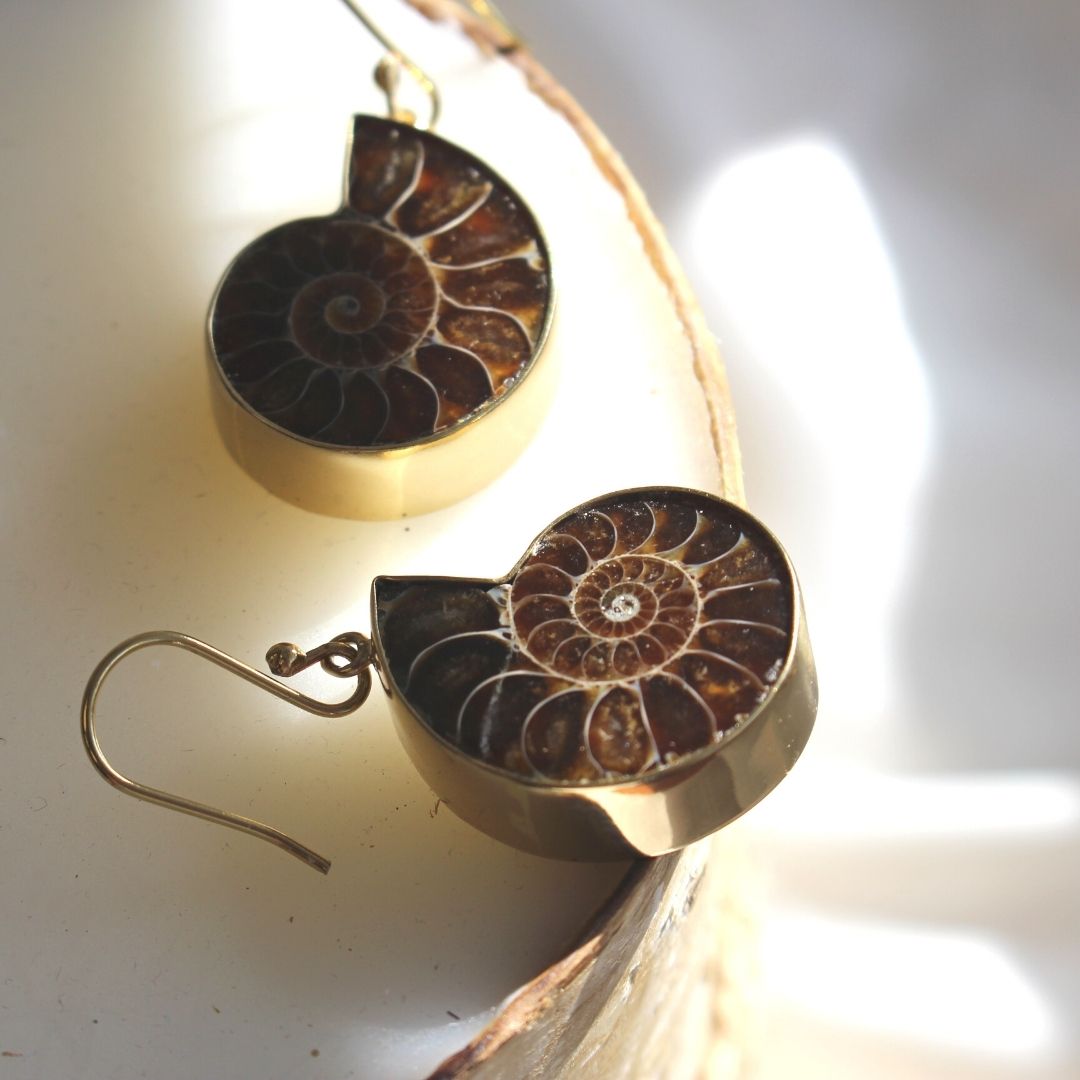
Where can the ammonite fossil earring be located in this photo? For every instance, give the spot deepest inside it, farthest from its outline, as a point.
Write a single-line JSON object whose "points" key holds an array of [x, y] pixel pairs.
{"points": [[384, 360], [639, 679]]}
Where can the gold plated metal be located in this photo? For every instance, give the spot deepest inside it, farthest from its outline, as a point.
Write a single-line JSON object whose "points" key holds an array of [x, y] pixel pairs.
{"points": [[642, 677], [346, 656], [398, 482], [622, 819]]}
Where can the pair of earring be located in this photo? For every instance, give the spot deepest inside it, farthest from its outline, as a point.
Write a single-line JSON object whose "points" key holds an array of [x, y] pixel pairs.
{"points": [[643, 674]]}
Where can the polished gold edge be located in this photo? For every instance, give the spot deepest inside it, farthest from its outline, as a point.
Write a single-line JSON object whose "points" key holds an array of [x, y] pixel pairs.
{"points": [[391, 484]]}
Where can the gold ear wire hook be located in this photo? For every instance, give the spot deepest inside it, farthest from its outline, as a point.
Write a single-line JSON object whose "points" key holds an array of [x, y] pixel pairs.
{"points": [[346, 656], [389, 69]]}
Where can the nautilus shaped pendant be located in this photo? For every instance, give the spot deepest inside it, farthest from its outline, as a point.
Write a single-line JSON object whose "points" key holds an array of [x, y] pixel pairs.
{"points": [[638, 680], [384, 360]]}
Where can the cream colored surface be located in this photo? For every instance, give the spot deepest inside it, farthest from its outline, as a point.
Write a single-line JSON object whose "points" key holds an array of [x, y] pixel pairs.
{"points": [[143, 146]]}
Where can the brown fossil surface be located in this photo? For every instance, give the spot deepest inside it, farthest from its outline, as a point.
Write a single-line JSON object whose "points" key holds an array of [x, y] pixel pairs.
{"points": [[638, 629], [420, 302]]}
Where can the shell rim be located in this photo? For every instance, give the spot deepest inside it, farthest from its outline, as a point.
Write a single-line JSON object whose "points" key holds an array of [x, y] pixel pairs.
{"points": [[685, 763], [462, 425]]}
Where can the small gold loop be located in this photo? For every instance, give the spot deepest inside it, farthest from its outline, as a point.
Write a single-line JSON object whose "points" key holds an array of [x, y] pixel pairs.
{"points": [[354, 649], [388, 70]]}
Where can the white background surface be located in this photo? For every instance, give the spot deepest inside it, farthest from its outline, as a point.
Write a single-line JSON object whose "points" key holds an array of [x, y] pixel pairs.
{"points": [[877, 203], [878, 206]]}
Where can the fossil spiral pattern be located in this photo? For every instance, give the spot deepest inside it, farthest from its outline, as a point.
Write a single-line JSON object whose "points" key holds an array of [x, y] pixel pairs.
{"points": [[421, 301], [638, 629]]}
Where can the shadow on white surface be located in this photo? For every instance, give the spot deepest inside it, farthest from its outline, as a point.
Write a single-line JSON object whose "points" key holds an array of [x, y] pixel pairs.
{"points": [[980, 1000]]}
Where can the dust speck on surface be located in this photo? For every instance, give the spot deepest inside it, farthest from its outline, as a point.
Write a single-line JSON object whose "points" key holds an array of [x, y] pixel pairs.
{"points": [[314, 1053]]}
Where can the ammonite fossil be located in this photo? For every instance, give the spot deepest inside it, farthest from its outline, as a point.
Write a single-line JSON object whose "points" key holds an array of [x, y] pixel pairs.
{"points": [[405, 316], [642, 636]]}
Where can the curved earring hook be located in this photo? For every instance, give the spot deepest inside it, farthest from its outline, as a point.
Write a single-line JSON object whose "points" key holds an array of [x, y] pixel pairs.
{"points": [[391, 66], [347, 656]]}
